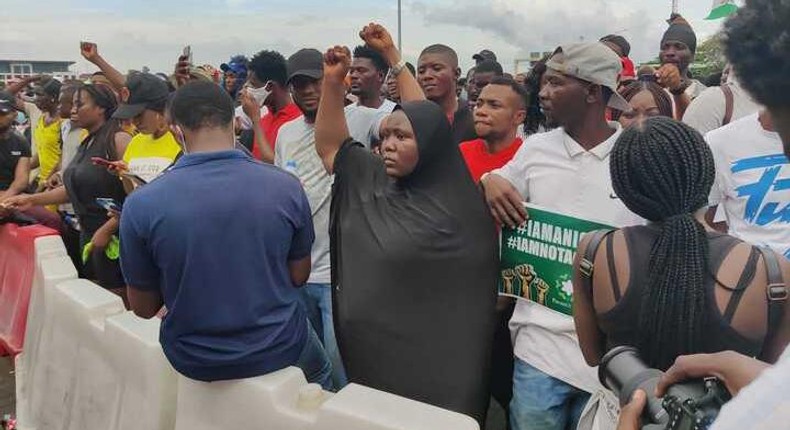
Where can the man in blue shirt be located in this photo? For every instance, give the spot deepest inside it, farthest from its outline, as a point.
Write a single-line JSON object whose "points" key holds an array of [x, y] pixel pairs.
{"points": [[225, 260]]}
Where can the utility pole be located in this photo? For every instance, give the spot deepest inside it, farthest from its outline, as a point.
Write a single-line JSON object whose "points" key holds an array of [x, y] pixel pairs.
{"points": [[674, 6], [400, 38]]}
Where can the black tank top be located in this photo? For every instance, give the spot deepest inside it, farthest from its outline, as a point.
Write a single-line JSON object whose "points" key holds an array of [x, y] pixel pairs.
{"points": [[621, 323], [85, 182]]}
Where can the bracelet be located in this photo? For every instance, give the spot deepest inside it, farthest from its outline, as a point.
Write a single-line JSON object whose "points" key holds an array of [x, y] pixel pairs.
{"points": [[397, 68]]}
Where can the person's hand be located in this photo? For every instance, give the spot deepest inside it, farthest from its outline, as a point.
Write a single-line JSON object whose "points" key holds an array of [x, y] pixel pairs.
{"points": [[668, 76], [182, 70], [249, 105], [20, 202], [101, 238], [630, 414], [734, 370], [89, 51], [378, 38], [337, 62], [55, 180], [504, 201]]}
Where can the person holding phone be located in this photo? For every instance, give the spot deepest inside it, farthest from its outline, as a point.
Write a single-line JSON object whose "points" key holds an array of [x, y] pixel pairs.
{"points": [[84, 182], [154, 148]]}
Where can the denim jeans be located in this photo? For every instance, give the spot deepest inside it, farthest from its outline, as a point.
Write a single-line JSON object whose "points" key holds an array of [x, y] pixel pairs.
{"points": [[317, 302], [541, 402], [314, 362]]}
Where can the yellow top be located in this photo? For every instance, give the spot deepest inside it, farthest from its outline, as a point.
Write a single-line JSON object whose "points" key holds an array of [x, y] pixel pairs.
{"points": [[148, 157], [48, 145]]}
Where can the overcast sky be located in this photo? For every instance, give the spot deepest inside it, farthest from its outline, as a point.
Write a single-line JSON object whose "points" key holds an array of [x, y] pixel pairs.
{"points": [[133, 34]]}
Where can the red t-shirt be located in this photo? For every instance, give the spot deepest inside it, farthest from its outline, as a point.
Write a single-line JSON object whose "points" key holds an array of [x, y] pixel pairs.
{"points": [[480, 161], [271, 123]]}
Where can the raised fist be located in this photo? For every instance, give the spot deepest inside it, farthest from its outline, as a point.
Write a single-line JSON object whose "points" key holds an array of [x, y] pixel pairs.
{"points": [[668, 76], [377, 37], [89, 51], [337, 62]]}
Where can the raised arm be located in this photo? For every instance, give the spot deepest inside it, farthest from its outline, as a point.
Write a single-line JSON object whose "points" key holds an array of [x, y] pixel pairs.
{"points": [[90, 51], [378, 38], [331, 129]]}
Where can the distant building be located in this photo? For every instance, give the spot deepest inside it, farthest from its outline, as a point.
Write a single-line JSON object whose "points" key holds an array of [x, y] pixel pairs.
{"points": [[10, 69], [524, 65]]}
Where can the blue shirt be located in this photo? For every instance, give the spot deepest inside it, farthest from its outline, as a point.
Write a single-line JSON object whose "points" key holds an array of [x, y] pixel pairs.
{"points": [[215, 235]]}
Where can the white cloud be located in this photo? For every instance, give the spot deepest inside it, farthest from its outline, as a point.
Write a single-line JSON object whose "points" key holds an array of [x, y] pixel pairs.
{"points": [[512, 28]]}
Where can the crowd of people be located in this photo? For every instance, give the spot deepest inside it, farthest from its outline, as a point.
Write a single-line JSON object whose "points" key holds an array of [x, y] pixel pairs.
{"points": [[339, 211]]}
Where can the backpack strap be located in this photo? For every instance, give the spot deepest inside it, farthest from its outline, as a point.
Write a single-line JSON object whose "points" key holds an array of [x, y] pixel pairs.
{"points": [[586, 264], [776, 293], [729, 104]]}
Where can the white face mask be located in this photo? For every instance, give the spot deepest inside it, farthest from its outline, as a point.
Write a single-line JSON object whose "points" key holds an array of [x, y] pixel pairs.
{"points": [[260, 94]]}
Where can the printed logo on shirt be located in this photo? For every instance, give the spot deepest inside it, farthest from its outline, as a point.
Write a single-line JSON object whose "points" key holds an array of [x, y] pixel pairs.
{"points": [[763, 206]]}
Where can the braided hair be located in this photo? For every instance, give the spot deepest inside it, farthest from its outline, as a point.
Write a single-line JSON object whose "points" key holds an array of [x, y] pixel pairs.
{"points": [[663, 171]]}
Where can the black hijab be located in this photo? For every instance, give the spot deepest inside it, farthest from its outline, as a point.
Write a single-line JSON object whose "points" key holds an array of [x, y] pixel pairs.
{"points": [[414, 269]]}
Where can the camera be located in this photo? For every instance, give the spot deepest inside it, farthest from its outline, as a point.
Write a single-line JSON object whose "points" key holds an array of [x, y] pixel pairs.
{"points": [[692, 405]]}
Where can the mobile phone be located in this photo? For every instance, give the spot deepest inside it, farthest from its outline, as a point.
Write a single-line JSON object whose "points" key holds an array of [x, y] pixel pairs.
{"points": [[108, 204], [187, 53], [118, 165], [134, 177]]}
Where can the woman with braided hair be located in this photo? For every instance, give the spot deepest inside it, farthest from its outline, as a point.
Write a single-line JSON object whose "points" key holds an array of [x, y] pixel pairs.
{"points": [[674, 286]]}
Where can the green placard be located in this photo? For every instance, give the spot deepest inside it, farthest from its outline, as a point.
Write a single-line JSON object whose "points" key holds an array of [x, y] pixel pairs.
{"points": [[537, 258]]}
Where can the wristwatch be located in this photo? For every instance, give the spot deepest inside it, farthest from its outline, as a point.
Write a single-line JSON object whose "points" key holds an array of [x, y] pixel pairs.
{"points": [[397, 68]]}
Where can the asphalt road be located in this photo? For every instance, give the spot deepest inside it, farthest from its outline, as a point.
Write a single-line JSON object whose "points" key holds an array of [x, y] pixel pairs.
{"points": [[7, 396]]}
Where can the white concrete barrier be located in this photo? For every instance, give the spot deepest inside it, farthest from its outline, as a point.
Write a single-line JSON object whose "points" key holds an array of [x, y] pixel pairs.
{"points": [[90, 365], [53, 266]]}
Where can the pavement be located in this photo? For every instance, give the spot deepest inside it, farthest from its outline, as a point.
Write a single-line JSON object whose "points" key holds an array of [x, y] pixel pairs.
{"points": [[7, 390]]}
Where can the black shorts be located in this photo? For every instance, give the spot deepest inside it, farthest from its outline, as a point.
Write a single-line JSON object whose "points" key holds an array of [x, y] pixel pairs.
{"points": [[102, 270]]}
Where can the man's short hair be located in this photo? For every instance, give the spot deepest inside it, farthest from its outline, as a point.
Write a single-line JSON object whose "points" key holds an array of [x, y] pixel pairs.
{"points": [[269, 66], [757, 43], [489, 66], [364, 51], [518, 89], [201, 104], [442, 50]]}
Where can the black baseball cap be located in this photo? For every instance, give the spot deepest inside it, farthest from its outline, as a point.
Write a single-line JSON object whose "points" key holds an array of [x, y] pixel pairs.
{"points": [[144, 89], [7, 102], [306, 62], [49, 87], [484, 55]]}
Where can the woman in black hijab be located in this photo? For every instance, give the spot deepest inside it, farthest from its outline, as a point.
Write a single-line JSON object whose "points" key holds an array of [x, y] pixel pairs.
{"points": [[414, 254]]}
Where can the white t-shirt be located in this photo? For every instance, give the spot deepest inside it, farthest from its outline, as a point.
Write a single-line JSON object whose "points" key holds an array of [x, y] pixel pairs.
{"points": [[752, 183], [706, 112], [387, 107], [763, 404], [295, 152], [554, 171], [71, 138], [364, 122]]}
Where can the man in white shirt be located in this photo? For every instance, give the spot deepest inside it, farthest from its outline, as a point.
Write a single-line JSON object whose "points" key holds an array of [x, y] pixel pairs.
{"points": [[295, 152], [718, 106], [368, 73], [752, 187], [567, 171]]}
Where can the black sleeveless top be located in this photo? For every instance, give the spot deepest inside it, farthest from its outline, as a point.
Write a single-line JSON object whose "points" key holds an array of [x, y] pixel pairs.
{"points": [[621, 323], [85, 182]]}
